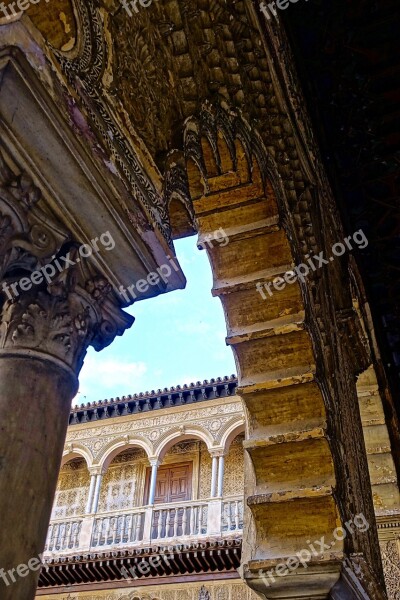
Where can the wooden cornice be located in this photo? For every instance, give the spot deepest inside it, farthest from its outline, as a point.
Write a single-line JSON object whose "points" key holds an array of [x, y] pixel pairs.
{"points": [[219, 557]]}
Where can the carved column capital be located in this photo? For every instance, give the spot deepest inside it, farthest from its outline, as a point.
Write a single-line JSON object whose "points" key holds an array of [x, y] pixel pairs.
{"points": [[56, 316]]}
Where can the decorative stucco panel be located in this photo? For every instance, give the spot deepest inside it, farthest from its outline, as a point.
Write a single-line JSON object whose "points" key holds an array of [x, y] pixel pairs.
{"points": [[72, 490]]}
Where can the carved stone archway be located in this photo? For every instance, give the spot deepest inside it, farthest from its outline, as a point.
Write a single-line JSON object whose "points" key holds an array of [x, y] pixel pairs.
{"points": [[300, 395]]}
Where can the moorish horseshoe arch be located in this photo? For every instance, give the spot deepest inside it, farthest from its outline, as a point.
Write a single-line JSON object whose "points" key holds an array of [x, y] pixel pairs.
{"points": [[234, 183], [180, 434]]}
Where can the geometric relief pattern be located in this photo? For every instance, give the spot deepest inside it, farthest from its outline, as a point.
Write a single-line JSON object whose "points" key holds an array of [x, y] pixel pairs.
{"points": [[185, 447], [72, 490], [154, 429], [119, 485], [234, 468], [205, 472]]}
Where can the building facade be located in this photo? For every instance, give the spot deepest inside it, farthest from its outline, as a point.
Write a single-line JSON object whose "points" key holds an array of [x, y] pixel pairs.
{"points": [[150, 497], [157, 478]]}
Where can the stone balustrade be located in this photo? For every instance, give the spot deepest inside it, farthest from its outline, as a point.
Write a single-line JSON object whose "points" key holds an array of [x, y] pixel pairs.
{"points": [[189, 520]]}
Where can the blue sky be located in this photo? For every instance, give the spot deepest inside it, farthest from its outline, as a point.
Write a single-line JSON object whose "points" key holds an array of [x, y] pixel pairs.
{"points": [[177, 338]]}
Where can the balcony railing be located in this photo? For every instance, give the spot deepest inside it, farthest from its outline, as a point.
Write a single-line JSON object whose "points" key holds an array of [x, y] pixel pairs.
{"points": [[143, 525], [232, 515], [173, 521], [63, 535], [118, 529]]}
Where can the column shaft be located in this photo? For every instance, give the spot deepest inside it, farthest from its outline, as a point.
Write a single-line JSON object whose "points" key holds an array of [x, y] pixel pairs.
{"points": [[221, 469], [91, 493], [96, 498], [214, 476], [153, 481], [35, 401]]}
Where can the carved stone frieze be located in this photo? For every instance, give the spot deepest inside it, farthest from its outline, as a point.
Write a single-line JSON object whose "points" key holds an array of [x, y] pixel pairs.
{"points": [[28, 236], [204, 594], [212, 422], [87, 72], [390, 550]]}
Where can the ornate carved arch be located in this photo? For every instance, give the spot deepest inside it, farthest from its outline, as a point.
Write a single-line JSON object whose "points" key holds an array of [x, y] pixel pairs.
{"points": [[177, 434], [283, 344], [118, 445], [77, 451]]}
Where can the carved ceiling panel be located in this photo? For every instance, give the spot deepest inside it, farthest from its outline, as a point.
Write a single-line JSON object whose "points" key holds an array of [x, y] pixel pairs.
{"points": [[173, 56], [140, 74]]}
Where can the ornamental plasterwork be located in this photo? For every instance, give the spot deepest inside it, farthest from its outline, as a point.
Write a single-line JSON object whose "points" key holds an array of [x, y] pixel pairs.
{"points": [[72, 489], [212, 423], [390, 550]]}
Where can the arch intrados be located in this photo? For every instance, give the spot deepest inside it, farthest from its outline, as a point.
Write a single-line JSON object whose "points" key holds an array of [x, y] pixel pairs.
{"points": [[118, 448], [69, 456], [231, 434], [177, 437]]}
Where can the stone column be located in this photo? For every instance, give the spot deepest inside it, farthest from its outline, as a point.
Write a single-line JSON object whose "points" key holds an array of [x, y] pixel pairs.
{"points": [[91, 493], [96, 497], [214, 471], [153, 481], [148, 516], [214, 519], [46, 325], [221, 471]]}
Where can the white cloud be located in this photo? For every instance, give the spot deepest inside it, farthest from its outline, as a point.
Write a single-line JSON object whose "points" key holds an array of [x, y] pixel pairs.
{"points": [[107, 377]]}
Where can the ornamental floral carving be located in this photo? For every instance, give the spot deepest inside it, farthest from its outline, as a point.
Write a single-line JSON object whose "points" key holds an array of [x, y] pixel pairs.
{"points": [[28, 236]]}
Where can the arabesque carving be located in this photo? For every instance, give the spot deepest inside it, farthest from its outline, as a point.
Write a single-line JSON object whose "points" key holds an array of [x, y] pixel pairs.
{"points": [[211, 421]]}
